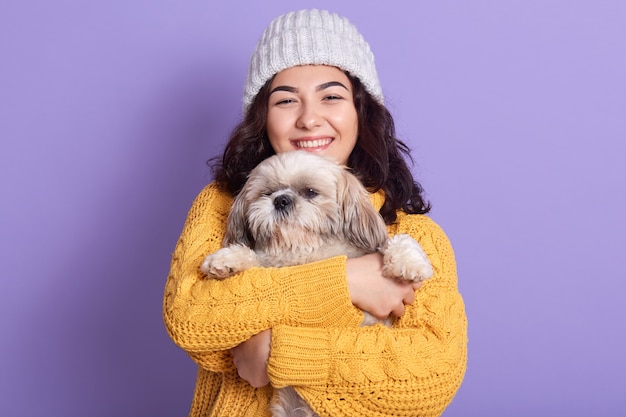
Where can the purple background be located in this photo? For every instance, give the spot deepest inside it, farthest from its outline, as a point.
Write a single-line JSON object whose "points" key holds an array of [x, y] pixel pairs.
{"points": [[516, 113]]}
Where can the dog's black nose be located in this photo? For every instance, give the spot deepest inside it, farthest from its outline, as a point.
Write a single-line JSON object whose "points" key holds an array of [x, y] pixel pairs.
{"points": [[282, 202]]}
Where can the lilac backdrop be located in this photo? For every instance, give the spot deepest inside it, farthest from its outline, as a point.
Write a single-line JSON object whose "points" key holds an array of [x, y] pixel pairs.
{"points": [[515, 110]]}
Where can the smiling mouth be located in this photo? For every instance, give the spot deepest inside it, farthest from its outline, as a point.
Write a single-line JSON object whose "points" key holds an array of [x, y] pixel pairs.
{"points": [[316, 143]]}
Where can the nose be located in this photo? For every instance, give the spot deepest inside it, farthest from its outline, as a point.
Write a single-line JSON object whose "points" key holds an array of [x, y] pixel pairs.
{"points": [[309, 117], [282, 202]]}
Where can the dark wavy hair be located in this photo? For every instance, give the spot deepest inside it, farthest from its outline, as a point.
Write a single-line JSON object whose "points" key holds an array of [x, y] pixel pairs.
{"points": [[379, 159]]}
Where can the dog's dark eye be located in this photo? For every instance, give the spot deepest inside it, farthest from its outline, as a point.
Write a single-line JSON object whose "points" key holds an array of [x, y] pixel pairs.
{"points": [[310, 193]]}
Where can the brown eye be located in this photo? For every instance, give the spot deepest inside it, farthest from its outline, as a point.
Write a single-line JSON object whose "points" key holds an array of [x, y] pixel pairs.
{"points": [[310, 193]]}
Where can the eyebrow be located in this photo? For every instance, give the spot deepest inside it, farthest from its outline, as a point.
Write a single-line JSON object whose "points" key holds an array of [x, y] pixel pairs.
{"points": [[318, 88], [284, 88], [330, 84]]}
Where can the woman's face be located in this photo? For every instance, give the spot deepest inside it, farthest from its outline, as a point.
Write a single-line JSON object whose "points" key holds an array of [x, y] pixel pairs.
{"points": [[311, 107]]}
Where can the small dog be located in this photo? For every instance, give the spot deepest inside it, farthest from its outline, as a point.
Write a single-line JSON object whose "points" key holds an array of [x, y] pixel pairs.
{"points": [[296, 208]]}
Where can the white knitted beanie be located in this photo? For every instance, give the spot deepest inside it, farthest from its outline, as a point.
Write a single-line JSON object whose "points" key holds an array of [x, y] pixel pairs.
{"points": [[311, 37]]}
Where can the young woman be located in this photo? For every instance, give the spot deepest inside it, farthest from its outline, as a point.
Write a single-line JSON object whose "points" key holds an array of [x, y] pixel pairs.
{"points": [[312, 85]]}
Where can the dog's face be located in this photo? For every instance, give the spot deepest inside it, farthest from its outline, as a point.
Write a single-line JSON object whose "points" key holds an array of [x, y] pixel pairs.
{"points": [[294, 198]]}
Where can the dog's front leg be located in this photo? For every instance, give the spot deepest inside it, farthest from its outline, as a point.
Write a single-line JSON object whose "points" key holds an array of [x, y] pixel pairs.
{"points": [[229, 261]]}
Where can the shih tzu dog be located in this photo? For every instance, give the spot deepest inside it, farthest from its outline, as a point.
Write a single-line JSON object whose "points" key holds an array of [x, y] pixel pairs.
{"points": [[296, 208]]}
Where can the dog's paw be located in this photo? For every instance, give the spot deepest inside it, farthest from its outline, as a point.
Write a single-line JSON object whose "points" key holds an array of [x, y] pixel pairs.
{"points": [[404, 259], [215, 267], [228, 261]]}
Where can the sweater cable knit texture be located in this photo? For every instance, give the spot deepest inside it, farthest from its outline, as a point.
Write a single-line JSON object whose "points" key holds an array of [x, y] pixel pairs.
{"points": [[318, 346]]}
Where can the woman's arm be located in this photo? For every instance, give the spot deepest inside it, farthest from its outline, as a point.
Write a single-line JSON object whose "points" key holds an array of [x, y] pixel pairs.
{"points": [[414, 368], [369, 289], [207, 317]]}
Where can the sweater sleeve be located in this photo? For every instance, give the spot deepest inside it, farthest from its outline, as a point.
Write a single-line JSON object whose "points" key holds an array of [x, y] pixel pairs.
{"points": [[207, 317], [414, 368]]}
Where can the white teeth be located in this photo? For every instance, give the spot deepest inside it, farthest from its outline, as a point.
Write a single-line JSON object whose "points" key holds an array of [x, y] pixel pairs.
{"points": [[313, 143]]}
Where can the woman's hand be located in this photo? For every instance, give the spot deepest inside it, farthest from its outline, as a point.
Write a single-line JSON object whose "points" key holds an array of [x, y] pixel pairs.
{"points": [[250, 358], [372, 292]]}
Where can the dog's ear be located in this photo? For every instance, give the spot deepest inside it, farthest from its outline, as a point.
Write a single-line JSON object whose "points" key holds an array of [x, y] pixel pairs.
{"points": [[237, 225], [363, 226]]}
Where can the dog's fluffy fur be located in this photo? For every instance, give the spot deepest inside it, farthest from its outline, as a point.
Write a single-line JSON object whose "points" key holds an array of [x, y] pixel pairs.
{"points": [[297, 208]]}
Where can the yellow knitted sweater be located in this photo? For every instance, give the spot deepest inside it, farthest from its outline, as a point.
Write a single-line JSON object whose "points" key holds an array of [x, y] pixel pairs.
{"points": [[318, 347]]}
